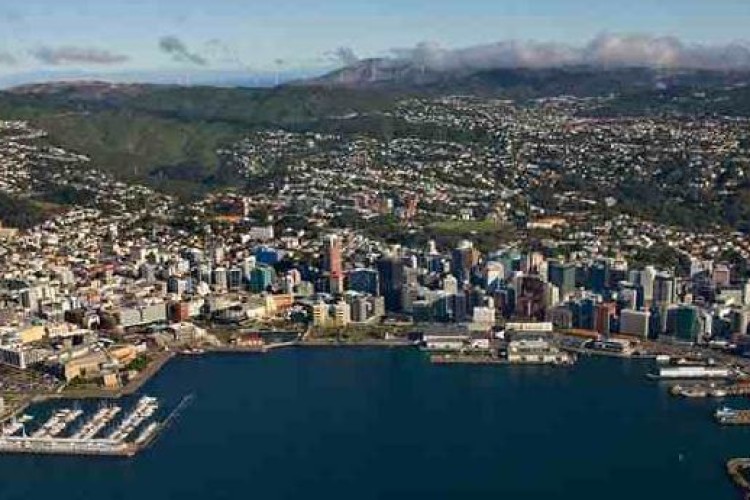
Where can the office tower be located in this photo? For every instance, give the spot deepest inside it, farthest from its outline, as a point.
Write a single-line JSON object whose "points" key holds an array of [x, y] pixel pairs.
{"points": [[462, 260], [664, 289], [635, 323], [364, 281], [494, 274], [599, 276], [683, 322], [391, 279], [459, 306], [260, 279], [531, 298], [563, 276], [450, 285], [603, 315], [646, 280], [332, 256], [631, 296]]}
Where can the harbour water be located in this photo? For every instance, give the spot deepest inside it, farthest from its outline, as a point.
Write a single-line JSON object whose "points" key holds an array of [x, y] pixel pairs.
{"points": [[385, 423]]}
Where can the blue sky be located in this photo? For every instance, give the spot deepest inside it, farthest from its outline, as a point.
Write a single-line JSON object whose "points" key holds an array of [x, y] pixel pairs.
{"points": [[241, 34]]}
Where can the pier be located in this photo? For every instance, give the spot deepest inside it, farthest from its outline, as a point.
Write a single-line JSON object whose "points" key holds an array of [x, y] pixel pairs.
{"points": [[48, 440], [57, 423], [98, 422], [711, 390], [729, 416]]}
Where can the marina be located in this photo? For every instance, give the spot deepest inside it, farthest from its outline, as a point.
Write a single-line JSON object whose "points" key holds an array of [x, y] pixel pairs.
{"points": [[50, 437], [100, 420], [57, 423], [15, 425]]}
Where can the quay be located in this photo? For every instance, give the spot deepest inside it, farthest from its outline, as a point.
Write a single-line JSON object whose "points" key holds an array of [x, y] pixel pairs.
{"points": [[730, 416], [458, 359], [699, 390], [66, 446], [484, 359]]}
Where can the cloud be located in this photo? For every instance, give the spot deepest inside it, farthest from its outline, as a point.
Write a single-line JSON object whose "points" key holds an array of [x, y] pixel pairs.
{"points": [[11, 16], [606, 50], [178, 50], [345, 56], [74, 55], [7, 59]]}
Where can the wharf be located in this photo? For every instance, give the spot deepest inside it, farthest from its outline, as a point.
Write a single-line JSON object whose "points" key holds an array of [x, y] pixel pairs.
{"points": [[464, 359], [699, 390], [608, 354], [486, 359], [354, 343], [67, 446], [735, 417]]}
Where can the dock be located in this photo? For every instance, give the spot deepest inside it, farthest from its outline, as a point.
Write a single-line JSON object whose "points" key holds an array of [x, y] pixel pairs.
{"points": [[710, 390], [458, 359], [57, 423], [729, 416], [99, 421], [486, 359], [48, 438]]}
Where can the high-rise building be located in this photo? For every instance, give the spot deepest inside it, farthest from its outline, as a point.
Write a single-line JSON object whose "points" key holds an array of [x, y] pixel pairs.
{"points": [[260, 279], [664, 290], [603, 315], [450, 285], [562, 276], [494, 274], [332, 256], [320, 314], [342, 314], [646, 280], [462, 260], [391, 279], [364, 281], [634, 323], [683, 322], [599, 276], [531, 297]]}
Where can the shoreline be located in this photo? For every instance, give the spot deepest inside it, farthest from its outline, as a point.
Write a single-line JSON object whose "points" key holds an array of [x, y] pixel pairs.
{"points": [[164, 357], [735, 467]]}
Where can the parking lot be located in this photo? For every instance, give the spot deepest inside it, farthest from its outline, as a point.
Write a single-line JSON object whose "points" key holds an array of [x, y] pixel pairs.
{"points": [[14, 381]]}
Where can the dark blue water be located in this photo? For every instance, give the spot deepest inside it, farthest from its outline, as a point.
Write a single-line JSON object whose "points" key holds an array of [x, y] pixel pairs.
{"points": [[372, 424]]}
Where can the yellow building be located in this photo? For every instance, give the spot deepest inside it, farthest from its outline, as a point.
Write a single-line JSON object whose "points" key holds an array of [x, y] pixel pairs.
{"points": [[85, 367], [32, 334], [124, 354], [320, 314]]}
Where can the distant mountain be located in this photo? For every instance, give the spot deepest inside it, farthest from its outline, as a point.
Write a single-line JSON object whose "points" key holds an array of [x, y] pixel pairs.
{"points": [[406, 76]]}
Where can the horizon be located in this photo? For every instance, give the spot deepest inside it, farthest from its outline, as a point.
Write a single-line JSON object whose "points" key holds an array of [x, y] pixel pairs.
{"points": [[161, 41]]}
